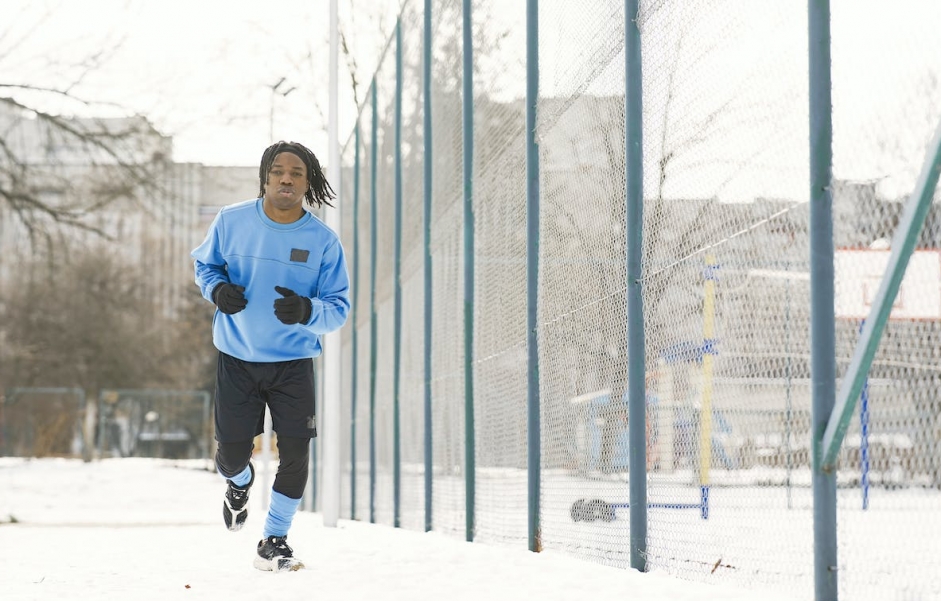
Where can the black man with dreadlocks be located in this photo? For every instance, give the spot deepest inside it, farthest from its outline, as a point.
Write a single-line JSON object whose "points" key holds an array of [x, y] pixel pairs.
{"points": [[277, 275]]}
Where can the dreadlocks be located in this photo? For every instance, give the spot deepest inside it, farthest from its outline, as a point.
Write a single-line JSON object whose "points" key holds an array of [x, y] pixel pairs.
{"points": [[318, 192]]}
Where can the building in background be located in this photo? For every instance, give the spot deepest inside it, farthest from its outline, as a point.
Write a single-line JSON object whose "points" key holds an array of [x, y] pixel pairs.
{"points": [[116, 179]]}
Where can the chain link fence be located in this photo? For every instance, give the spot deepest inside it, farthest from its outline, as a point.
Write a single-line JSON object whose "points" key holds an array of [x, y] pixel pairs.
{"points": [[172, 424], [61, 422], [726, 287], [44, 422]]}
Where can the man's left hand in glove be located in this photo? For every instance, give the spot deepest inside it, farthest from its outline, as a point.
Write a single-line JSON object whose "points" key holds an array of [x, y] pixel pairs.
{"points": [[292, 308]]}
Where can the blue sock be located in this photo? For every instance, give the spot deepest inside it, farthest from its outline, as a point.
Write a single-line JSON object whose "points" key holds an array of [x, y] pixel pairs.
{"points": [[242, 478], [280, 514]]}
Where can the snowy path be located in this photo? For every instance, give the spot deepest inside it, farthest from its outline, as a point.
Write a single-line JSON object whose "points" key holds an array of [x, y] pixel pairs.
{"points": [[139, 529]]}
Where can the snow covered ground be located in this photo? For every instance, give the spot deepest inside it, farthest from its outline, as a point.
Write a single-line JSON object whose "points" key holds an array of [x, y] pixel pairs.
{"points": [[145, 529]]}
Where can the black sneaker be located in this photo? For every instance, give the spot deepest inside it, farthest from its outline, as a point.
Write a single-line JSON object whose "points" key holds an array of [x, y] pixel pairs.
{"points": [[235, 507], [274, 555]]}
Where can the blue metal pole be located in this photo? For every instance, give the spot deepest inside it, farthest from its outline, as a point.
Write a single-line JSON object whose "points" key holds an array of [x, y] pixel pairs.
{"points": [[864, 443], [397, 289], [426, 217], [636, 366], [864, 436], [372, 309], [468, 127], [822, 328], [904, 242], [532, 273]]}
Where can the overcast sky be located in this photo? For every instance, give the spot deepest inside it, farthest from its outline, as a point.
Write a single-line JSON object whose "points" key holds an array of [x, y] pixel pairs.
{"points": [[203, 72]]}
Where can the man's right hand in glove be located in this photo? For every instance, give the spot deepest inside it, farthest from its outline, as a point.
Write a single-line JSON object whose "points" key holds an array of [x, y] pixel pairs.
{"points": [[230, 298]]}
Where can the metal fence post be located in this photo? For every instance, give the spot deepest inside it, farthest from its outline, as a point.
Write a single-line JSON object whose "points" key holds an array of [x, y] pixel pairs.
{"points": [[427, 167], [397, 286], [373, 325], [354, 318], [468, 128], [534, 446], [634, 197], [822, 322]]}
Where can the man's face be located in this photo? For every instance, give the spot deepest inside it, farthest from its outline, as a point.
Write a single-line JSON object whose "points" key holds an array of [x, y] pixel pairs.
{"points": [[287, 182]]}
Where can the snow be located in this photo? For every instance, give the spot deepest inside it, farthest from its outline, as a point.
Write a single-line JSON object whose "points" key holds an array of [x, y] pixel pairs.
{"points": [[141, 529]]}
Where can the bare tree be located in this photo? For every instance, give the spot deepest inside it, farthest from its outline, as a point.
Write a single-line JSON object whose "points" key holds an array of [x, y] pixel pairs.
{"points": [[74, 190], [45, 150], [40, 154], [83, 322]]}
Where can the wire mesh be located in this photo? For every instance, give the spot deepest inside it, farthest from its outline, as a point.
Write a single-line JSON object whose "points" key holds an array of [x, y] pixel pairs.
{"points": [[44, 422], [726, 287], [385, 83], [725, 252], [447, 243], [412, 346], [499, 200], [155, 423], [582, 302], [887, 105]]}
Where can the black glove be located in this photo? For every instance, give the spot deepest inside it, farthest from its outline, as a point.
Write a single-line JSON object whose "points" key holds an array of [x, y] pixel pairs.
{"points": [[229, 298], [292, 308]]}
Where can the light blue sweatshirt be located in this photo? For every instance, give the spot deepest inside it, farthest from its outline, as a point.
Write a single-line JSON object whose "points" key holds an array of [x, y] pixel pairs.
{"points": [[245, 247]]}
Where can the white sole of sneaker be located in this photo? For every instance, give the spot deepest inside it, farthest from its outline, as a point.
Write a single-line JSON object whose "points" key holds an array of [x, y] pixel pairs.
{"points": [[278, 564], [234, 520]]}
